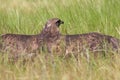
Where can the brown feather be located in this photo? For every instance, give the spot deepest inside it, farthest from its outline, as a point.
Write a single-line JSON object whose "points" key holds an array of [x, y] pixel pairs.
{"points": [[17, 45]]}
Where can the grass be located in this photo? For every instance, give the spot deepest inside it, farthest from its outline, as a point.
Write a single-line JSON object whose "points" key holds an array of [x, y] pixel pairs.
{"points": [[80, 16]]}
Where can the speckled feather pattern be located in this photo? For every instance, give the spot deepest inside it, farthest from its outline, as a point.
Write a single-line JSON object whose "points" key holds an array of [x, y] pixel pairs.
{"points": [[56, 43], [17, 45]]}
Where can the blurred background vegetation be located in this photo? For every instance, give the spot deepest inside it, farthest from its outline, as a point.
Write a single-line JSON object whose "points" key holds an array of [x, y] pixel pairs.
{"points": [[80, 16]]}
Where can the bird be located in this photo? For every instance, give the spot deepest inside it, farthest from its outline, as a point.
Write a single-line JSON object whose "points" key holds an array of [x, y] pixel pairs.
{"points": [[20, 45]]}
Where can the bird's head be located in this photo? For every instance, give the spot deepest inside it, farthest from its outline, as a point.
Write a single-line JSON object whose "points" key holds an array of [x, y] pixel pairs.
{"points": [[52, 26], [54, 22]]}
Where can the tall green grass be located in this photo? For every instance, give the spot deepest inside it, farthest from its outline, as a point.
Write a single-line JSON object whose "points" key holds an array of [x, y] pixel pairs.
{"points": [[80, 16]]}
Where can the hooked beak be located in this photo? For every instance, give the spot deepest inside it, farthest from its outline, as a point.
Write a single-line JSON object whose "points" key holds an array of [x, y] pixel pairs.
{"points": [[62, 22]]}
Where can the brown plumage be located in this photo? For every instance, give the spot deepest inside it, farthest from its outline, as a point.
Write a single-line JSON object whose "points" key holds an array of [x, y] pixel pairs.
{"points": [[93, 42], [18, 45]]}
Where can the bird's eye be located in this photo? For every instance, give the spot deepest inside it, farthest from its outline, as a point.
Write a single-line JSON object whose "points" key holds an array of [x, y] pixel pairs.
{"points": [[58, 23]]}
